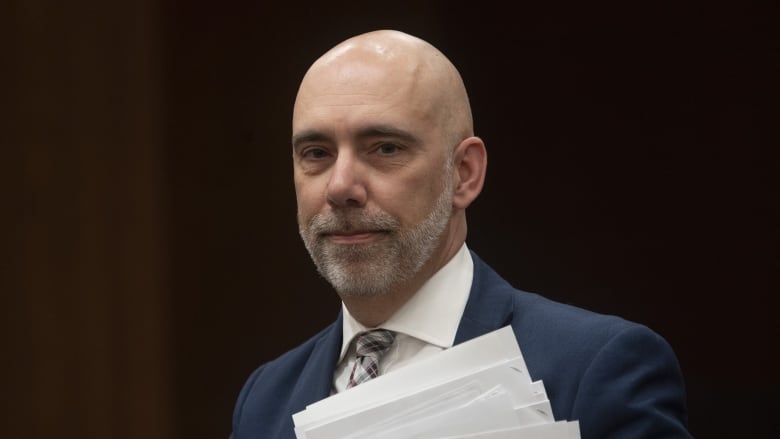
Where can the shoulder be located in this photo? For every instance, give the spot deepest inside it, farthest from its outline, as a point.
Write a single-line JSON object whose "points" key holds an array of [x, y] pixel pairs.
{"points": [[537, 318], [285, 385], [290, 364], [298, 356], [494, 302], [574, 329]]}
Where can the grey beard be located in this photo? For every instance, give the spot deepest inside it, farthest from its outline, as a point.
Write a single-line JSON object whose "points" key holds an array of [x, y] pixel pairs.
{"points": [[373, 269]]}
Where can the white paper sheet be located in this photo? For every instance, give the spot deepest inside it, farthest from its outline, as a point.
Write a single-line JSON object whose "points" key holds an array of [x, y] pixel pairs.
{"points": [[489, 411], [478, 389], [459, 361], [557, 430]]}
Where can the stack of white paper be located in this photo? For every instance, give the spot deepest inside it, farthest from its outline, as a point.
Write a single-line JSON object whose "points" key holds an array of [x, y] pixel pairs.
{"points": [[478, 389]]}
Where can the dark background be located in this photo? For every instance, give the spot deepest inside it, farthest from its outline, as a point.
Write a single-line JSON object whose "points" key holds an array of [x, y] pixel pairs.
{"points": [[150, 256]]}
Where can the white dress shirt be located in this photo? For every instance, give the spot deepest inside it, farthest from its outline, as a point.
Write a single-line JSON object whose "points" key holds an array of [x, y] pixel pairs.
{"points": [[424, 325]]}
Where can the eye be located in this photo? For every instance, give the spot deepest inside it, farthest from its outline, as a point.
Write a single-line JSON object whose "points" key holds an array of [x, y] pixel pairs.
{"points": [[388, 148], [315, 153]]}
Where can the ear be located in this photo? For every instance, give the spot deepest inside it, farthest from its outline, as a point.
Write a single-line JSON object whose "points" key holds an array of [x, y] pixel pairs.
{"points": [[470, 165]]}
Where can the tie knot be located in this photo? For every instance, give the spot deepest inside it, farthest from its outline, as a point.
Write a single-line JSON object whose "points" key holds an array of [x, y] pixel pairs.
{"points": [[371, 345], [374, 343]]}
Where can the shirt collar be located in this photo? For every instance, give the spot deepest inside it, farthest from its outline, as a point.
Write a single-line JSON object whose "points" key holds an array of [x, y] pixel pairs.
{"points": [[433, 313]]}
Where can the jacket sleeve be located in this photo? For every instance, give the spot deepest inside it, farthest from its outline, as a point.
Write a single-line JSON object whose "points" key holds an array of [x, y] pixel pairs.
{"points": [[633, 388]]}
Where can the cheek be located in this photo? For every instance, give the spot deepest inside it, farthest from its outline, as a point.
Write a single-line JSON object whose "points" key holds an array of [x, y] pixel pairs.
{"points": [[307, 204], [310, 198], [409, 199]]}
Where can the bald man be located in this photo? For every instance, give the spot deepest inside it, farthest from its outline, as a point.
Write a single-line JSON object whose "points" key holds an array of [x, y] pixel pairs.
{"points": [[385, 164]]}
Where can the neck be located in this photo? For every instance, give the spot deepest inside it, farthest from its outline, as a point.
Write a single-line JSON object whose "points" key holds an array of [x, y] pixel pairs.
{"points": [[372, 312]]}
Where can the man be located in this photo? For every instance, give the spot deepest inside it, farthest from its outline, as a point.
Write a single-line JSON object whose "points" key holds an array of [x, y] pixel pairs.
{"points": [[386, 163]]}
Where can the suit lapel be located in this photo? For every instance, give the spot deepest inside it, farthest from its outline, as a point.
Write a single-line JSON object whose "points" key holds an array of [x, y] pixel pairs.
{"points": [[490, 304]]}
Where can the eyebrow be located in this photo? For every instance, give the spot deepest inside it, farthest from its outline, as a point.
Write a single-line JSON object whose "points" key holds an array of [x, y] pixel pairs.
{"points": [[371, 131], [387, 131], [308, 136]]}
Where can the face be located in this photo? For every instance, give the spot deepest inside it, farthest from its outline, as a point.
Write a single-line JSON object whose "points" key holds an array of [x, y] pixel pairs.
{"points": [[373, 178]]}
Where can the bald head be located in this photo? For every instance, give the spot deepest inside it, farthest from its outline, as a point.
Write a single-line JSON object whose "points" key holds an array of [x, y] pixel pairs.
{"points": [[383, 63]]}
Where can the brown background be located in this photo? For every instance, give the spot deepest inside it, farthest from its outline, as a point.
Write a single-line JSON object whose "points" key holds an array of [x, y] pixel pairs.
{"points": [[150, 257]]}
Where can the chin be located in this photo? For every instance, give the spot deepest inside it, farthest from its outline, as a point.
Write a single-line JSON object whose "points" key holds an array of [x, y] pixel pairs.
{"points": [[363, 280]]}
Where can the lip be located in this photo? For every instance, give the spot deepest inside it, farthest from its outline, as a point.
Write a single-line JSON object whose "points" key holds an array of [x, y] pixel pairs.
{"points": [[358, 237]]}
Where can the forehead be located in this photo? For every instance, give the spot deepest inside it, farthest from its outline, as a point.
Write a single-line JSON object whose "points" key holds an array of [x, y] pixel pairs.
{"points": [[360, 93]]}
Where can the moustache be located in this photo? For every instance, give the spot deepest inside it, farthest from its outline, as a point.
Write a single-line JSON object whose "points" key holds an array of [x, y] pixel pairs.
{"points": [[341, 222]]}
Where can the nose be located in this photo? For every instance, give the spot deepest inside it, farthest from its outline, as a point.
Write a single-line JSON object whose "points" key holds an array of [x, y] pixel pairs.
{"points": [[346, 186]]}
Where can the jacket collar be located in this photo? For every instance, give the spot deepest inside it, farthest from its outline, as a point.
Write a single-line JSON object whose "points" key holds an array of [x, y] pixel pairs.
{"points": [[490, 305]]}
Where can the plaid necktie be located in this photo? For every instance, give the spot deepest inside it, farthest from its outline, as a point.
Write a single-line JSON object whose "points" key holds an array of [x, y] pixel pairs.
{"points": [[371, 345]]}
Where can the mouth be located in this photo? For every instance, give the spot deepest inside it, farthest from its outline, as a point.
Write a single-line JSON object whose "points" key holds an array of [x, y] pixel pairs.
{"points": [[355, 236]]}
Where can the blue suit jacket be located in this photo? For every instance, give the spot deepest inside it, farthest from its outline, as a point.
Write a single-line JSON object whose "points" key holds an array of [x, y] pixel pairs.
{"points": [[618, 378]]}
